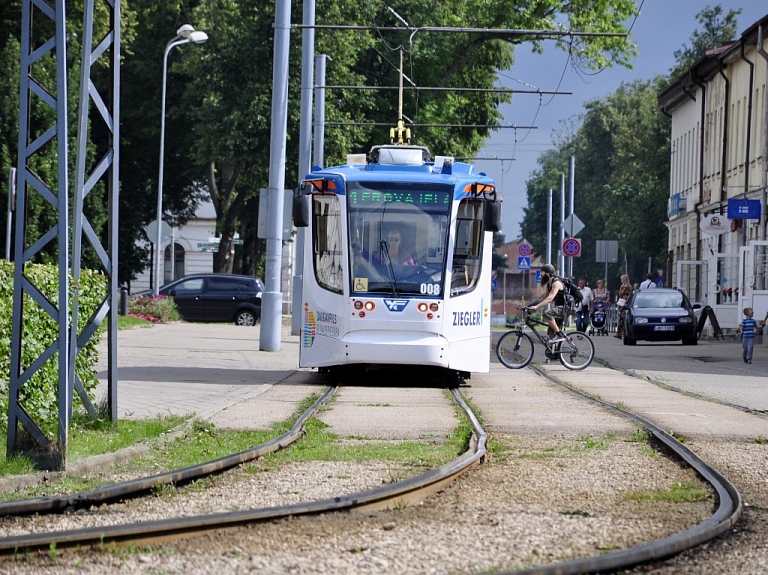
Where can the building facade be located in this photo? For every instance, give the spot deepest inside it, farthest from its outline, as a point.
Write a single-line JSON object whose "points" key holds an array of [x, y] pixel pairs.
{"points": [[717, 201]]}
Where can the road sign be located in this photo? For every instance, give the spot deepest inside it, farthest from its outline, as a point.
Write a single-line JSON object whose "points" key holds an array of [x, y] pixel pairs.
{"points": [[607, 251], [742, 209], [151, 229], [572, 225], [494, 284], [208, 246], [523, 263], [524, 249], [572, 247]]}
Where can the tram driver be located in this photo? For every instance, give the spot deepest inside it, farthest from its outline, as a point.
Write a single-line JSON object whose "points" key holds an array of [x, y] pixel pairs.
{"points": [[554, 291], [397, 253]]}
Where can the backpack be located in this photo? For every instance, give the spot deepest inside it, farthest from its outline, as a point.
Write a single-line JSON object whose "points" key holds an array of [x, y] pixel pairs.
{"points": [[573, 295]]}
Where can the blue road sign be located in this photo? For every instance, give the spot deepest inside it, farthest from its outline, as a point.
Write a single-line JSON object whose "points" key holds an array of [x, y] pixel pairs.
{"points": [[494, 284], [523, 263], [538, 277]]}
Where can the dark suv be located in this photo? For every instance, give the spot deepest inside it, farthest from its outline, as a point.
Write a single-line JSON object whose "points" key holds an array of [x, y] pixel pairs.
{"points": [[660, 314], [217, 297]]}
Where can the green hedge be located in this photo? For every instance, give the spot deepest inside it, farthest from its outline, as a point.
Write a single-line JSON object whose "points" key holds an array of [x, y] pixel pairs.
{"points": [[39, 394]]}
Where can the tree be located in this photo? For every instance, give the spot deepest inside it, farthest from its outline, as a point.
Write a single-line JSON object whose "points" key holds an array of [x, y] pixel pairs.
{"points": [[718, 29], [219, 94], [621, 153], [228, 99]]}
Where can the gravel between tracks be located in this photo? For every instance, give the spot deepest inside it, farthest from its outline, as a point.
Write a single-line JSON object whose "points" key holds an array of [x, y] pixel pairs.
{"points": [[543, 499]]}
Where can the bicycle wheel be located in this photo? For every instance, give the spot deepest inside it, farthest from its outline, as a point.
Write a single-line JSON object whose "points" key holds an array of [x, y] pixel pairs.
{"points": [[515, 349], [578, 351]]}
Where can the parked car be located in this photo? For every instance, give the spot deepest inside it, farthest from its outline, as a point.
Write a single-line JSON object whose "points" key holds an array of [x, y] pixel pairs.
{"points": [[217, 297], [660, 314]]}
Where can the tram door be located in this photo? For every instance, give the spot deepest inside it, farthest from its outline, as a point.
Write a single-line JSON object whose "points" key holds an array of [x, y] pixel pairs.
{"points": [[753, 273]]}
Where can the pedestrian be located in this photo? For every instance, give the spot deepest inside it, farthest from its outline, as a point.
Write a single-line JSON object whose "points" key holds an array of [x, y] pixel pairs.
{"points": [[622, 299], [648, 283], [599, 295], [747, 329], [635, 287], [582, 312]]}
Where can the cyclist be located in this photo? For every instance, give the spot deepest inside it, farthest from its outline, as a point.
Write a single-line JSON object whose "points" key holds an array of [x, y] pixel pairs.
{"points": [[554, 291]]}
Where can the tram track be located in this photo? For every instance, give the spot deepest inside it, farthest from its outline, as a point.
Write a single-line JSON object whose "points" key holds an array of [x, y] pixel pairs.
{"points": [[726, 514], [400, 493]]}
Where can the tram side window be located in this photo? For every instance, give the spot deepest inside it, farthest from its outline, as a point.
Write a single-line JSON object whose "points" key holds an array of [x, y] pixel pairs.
{"points": [[327, 242], [467, 253]]}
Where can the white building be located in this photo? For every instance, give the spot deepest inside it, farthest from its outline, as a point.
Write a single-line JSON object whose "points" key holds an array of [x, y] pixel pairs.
{"points": [[189, 250], [717, 205], [192, 252]]}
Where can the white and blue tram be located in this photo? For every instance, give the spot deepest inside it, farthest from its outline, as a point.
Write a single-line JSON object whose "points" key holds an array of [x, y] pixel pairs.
{"points": [[371, 300]]}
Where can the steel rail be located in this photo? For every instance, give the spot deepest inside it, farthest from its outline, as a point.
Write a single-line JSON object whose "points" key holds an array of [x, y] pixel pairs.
{"points": [[389, 496], [725, 516], [136, 487]]}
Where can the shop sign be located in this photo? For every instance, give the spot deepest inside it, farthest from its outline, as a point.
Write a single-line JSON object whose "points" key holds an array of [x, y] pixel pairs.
{"points": [[715, 224]]}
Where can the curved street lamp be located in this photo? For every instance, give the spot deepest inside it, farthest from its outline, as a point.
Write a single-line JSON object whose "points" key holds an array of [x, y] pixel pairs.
{"points": [[184, 35]]}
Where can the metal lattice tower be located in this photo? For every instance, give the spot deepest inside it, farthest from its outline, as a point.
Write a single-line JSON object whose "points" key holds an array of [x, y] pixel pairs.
{"points": [[69, 340]]}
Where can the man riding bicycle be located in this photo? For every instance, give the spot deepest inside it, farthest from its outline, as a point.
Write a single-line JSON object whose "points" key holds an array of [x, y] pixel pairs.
{"points": [[554, 291]]}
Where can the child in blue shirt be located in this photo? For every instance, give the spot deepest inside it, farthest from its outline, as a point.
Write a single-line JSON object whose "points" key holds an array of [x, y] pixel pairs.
{"points": [[747, 330]]}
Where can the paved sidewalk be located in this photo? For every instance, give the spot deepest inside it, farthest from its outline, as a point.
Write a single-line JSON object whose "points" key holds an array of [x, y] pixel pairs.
{"points": [[213, 370], [202, 369], [713, 369]]}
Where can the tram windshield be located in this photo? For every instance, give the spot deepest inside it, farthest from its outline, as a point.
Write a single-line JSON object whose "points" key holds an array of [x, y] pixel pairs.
{"points": [[398, 236]]}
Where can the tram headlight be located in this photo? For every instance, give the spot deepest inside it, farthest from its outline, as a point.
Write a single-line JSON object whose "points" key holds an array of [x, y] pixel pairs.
{"points": [[434, 307], [370, 306], [422, 307], [358, 304]]}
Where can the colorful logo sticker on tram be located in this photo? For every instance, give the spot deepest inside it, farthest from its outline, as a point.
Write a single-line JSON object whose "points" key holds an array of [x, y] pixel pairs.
{"points": [[469, 318], [318, 323], [310, 329], [396, 304]]}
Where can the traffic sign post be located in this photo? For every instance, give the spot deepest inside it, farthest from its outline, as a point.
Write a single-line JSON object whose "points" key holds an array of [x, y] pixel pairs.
{"points": [[572, 225], [572, 247]]}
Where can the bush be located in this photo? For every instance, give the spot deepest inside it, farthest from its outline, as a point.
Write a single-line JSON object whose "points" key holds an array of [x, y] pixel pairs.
{"points": [[154, 308], [39, 394]]}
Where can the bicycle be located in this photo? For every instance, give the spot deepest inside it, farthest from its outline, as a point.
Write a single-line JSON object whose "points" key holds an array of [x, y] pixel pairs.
{"points": [[515, 348]]}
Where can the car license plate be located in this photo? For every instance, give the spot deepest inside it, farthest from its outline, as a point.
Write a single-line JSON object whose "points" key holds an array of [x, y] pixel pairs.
{"points": [[663, 328]]}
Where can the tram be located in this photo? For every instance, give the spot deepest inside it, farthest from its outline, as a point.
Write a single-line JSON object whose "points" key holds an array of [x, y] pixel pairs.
{"points": [[397, 262]]}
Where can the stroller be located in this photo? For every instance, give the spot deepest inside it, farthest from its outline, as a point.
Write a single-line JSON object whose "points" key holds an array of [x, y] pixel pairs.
{"points": [[598, 319]]}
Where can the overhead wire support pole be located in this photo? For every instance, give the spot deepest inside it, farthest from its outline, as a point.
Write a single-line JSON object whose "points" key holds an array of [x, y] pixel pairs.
{"points": [[305, 157], [272, 298], [571, 188], [108, 111], [28, 182]]}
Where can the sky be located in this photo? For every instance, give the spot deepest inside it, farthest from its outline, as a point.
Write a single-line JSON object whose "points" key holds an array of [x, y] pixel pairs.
{"points": [[662, 27]]}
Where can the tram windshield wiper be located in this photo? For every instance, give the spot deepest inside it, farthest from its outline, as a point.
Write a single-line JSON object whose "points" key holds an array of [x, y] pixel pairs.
{"points": [[390, 269]]}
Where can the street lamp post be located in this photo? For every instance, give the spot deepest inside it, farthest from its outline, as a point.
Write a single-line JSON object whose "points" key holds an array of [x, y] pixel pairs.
{"points": [[184, 35]]}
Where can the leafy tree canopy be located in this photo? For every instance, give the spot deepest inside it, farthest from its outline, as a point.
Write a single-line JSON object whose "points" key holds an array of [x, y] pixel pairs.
{"points": [[717, 29]]}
